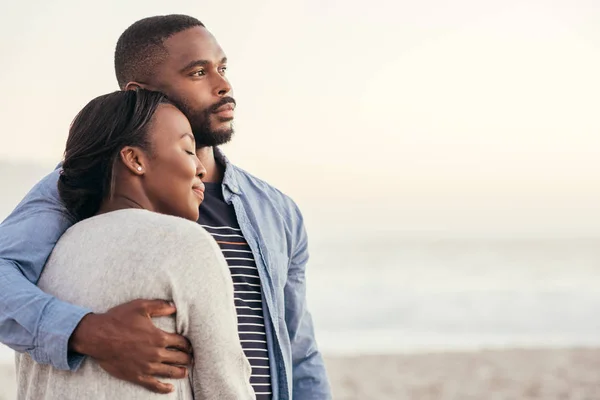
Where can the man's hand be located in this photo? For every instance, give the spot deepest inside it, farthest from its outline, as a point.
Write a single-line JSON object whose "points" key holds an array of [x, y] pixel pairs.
{"points": [[127, 345]]}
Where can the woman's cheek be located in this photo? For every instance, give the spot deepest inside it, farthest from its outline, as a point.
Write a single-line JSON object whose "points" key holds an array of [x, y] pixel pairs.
{"points": [[192, 167]]}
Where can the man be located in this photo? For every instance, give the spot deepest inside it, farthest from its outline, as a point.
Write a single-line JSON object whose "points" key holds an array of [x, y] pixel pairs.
{"points": [[259, 229]]}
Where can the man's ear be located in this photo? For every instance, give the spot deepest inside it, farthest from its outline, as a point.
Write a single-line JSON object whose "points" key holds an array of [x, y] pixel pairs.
{"points": [[134, 159]]}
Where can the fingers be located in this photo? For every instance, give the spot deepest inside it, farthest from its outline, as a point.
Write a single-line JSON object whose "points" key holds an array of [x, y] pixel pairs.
{"points": [[178, 342], [169, 371], [176, 357], [157, 308], [154, 385]]}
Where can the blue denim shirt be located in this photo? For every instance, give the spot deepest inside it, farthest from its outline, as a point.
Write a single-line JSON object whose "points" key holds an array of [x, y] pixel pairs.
{"points": [[35, 322]]}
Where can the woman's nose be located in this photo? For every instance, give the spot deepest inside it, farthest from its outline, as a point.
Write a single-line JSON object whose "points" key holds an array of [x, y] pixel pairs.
{"points": [[200, 170]]}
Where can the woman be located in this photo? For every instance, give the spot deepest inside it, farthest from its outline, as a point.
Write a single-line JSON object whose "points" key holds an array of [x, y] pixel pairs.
{"points": [[131, 176]]}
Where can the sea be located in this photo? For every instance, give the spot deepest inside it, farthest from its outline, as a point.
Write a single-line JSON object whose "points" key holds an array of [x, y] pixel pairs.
{"points": [[446, 294]]}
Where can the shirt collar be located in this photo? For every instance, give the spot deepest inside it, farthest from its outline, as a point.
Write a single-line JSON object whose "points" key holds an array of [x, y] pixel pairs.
{"points": [[230, 177]]}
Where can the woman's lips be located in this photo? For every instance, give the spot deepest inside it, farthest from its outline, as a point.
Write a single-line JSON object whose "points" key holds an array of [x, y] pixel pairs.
{"points": [[198, 189]]}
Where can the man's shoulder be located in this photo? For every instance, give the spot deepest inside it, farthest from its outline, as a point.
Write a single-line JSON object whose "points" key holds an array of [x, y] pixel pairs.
{"points": [[259, 189]]}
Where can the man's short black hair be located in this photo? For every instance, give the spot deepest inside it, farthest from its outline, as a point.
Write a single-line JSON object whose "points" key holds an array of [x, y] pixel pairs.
{"points": [[140, 48]]}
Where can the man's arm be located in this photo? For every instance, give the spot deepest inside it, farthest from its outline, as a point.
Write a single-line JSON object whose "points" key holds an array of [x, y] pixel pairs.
{"points": [[309, 375], [123, 340], [31, 320]]}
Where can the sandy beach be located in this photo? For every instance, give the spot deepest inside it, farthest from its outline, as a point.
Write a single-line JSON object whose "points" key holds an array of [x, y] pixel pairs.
{"points": [[485, 375]]}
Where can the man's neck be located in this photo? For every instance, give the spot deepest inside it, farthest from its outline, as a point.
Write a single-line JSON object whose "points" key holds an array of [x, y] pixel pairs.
{"points": [[214, 170]]}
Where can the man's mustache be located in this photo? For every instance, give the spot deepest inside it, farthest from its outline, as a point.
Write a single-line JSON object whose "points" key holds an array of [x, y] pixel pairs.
{"points": [[220, 103]]}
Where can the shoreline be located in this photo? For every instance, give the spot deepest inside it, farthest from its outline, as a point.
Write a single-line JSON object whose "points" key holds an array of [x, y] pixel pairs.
{"points": [[511, 374]]}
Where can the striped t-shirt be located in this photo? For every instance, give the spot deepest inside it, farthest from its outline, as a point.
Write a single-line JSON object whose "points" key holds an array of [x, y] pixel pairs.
{"points": [[219, 219]]}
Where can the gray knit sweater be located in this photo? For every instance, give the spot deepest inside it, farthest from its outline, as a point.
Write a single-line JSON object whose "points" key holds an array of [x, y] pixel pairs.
{"points": [[120, 256]]}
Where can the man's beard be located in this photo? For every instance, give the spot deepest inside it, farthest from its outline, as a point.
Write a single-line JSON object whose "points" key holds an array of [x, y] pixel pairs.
{"points": [[200, 122]]}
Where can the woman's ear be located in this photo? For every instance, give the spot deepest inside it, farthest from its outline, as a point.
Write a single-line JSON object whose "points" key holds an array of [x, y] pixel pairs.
{"points": [[133, 85], [134, 159]]}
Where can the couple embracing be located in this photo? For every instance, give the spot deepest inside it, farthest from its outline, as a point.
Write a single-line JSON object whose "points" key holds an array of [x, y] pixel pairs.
{"points": [[147, 265]]}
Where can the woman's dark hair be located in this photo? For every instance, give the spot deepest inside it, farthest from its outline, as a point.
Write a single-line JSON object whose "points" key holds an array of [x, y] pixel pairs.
{"points": [[98, 133]]}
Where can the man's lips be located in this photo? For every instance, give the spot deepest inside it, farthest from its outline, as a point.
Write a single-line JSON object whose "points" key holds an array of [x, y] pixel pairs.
{"points": [[227, 106], [225, 111]]}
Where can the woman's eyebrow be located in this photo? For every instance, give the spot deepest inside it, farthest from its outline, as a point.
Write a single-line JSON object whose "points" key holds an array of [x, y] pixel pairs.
{"points": [[188, 135]]}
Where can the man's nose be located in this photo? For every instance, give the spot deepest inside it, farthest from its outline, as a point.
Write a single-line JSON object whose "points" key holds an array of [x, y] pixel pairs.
{"points": [[222, 86]]}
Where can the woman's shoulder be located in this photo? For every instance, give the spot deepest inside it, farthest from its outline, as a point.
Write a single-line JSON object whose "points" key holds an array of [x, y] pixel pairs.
{"points": [[137, 225]]}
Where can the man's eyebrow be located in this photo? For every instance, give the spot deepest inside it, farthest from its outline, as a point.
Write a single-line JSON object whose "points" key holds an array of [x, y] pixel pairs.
{"points": [[195, 63], [201, 63]]}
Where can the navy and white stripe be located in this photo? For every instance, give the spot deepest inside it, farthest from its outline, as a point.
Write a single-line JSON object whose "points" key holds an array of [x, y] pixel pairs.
{"points": [[248, 304]]}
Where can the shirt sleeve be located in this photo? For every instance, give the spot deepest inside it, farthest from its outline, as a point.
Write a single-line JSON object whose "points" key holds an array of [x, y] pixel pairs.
{"points": [[310, 379], [31, 320]]}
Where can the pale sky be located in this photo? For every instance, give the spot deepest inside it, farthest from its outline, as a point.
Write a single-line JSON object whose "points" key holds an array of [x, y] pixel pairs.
{"points": [[459, 116]]}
